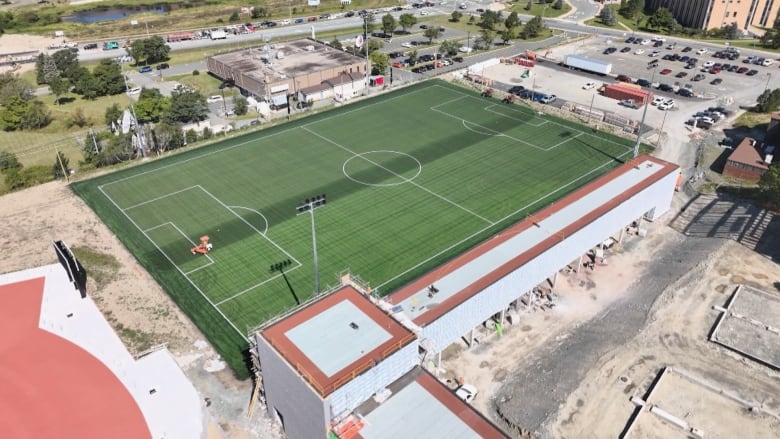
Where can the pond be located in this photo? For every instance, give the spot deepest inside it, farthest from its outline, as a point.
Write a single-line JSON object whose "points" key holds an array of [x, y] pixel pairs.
{"points": [[109, 14]]}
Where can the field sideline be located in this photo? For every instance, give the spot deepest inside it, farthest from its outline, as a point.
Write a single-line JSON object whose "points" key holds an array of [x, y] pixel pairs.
{"points": [[412, 178]]}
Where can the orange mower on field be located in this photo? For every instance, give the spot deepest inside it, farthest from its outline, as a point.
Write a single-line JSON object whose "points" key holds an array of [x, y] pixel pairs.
{"points": [[204, 247]]}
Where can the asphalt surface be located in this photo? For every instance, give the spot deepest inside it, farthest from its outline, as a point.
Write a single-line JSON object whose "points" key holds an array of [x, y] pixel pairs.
{"points": [[532, 395]]}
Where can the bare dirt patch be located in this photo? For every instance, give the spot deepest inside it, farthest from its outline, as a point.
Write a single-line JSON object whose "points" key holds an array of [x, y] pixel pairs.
{"points": [[136, 306]]}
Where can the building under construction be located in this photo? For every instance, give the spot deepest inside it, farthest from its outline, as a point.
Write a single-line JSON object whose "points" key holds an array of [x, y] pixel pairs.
{"points": [[306, 69]]}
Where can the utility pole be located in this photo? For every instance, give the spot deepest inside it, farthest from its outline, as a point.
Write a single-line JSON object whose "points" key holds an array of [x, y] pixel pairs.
{"points": [[644, 114]]}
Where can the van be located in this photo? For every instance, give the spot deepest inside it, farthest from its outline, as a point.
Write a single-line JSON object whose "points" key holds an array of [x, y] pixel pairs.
{"points": [[110, 46], [145, 69]]}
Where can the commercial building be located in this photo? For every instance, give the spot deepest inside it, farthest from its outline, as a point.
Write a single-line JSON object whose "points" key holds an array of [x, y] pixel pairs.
{"points": [[749, 160], [306, 69], [713, 14], [349, 363]]}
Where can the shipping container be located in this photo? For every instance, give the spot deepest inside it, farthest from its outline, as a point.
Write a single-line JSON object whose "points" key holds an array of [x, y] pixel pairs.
{"points": [[625, 91]]}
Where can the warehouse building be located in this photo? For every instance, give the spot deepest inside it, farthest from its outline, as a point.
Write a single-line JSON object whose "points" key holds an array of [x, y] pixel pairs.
{"points": [[332, 366], [749, 160], [299, 68]]}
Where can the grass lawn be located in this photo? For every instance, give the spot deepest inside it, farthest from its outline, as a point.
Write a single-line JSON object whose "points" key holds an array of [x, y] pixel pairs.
{"points": [[402, 199], [545, 10], [749, 120]]}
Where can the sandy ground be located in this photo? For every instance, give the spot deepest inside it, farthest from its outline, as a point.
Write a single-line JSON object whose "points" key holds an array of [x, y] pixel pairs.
{"points": [[138, 309]]}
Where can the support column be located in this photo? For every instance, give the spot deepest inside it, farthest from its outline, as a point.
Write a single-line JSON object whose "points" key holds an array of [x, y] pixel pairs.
{"points": [[555, 281], [579, 264], [471, 338], [503, 316], [438, 360], [620, 236]]}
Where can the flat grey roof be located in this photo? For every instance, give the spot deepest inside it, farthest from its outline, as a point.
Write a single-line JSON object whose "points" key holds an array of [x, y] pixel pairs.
{"points": [[298, 58], [329, 341], [414, 412], [481, 266]]}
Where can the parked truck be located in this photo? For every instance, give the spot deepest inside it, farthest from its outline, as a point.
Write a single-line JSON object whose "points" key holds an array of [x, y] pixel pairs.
{"points": [[181, 36], [218, 35], [628, 92], [588, 64]]}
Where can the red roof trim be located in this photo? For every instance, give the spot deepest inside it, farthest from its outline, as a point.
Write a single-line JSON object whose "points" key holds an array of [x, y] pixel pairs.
{"points": [[325, 385], [471, 290]]}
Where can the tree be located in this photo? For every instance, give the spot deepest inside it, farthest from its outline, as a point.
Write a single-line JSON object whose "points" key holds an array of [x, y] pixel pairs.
{"points": [[768, 101], [379, 63], [730, 31], [508, 34], [486, 37], [187, 106], [167, 137], [240, 105], [79, 118], [151, 105], [18, 113], [389, 24], [558, 5], [369, 23], [608, 16], [533, 28], [149, 50], [336, 43], [108, 74], [113, 114], [769, 185], [512, 21], [67, 63], [59, 86], [661, 18], [633, 8], [35, 115], [234, 17], [432, 33], [406, 21], [449, 48], [456, 16], [13, 86], [60, 162], [259, 12], [490, 19], [528, 6], [8, 161]]}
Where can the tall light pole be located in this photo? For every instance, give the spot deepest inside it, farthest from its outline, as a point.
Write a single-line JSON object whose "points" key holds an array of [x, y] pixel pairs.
{"points": [[644, 113], [309, 205], [768, 77]]}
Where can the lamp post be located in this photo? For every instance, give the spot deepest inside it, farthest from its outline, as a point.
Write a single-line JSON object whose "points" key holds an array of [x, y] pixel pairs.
{"points": [[661, 131], [644, 114], [309, 205], [768, 77]]}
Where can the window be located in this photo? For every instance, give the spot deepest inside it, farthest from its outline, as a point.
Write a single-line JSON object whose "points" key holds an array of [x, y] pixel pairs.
{"points": [[735, 14]]}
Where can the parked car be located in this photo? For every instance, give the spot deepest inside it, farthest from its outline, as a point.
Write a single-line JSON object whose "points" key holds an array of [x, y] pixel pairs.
{"points": [[685, 92], [666, 105], [610, 50], [752, 72], [624, 78], [145, 69], [698, 77], [548, 99], [687, 49], [589, 85], [630, 103], [215, 98], [625, 49], [681, 75], [666, 71], [639, 51], [657, 100], [701, 51], [665, 87], [716, 81], [516, 90], [163, 66], [642, 82]]}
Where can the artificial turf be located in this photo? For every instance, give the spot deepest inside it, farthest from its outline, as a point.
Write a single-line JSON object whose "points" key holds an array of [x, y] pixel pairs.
{"points": [[411, 179]]}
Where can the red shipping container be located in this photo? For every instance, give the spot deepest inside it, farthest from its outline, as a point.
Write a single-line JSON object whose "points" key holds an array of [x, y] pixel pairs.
{"points": [[625, 91]]}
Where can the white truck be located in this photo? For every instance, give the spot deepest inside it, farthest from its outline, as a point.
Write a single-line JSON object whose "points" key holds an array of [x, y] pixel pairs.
{"points": [[218, 35], [588, 64]]}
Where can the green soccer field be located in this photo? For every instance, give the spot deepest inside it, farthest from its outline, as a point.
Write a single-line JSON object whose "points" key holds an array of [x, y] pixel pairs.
{"points": [[412, 178]]}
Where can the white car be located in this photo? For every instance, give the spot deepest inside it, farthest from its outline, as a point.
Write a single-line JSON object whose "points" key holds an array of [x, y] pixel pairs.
{"points": [[701, 51], [666, 105], [708, 64], [284, 22], [657, 100], [589, 85], [767, 63], [407, 44], [215, 98], [639, 51], [424, 12], [655, 53], [465, 49], [466, 392], [644, 42]]}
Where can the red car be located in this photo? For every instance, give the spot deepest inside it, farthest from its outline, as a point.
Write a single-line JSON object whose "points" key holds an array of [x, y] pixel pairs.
{"points": [[742, 70], [666, 71], [681, 75]]}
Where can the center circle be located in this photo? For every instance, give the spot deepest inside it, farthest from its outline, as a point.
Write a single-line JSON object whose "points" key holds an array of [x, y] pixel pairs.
{"points": [[392, 165]]}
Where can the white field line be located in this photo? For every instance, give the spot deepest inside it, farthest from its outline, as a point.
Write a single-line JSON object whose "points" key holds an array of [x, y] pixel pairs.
{"points": [[160, 197], [256, 212], [228, 148], [157, 226], [559, 124], [191, 241], [533, 116], [538, 200], [400, 176], [562, 142], [495, 133], [248, 224], [232, 325]]}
